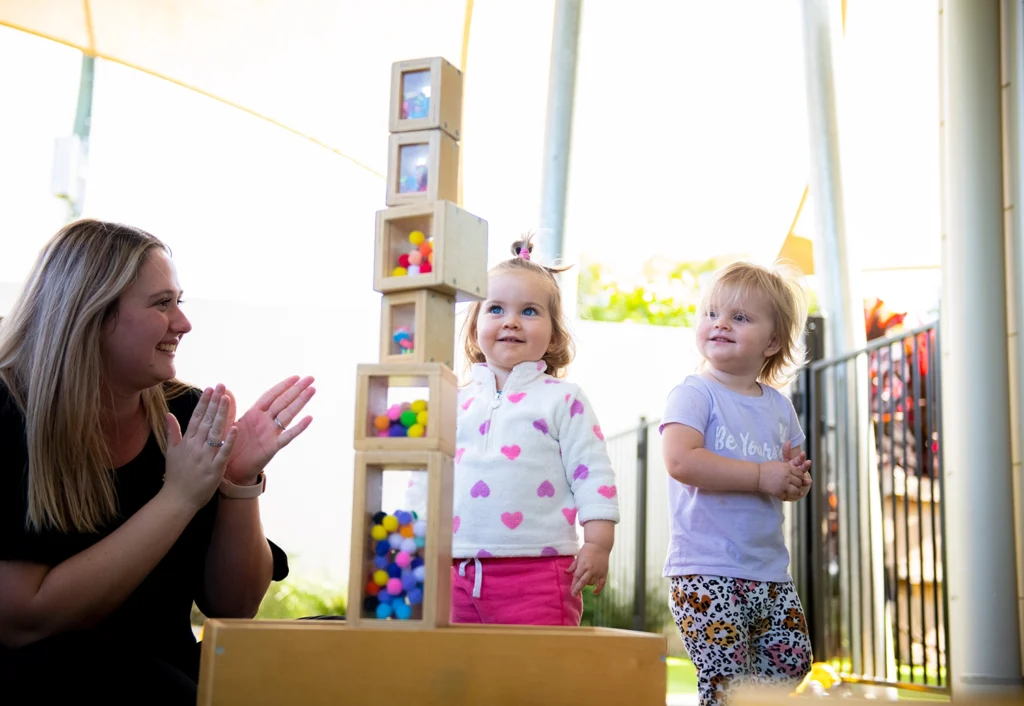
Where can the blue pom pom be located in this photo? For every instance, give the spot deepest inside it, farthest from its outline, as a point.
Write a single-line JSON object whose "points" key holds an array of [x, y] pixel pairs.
{"points": [[404, 517], [420, 528], [415, 596], [402, 611], [395, 540], [420, 572], [417, 562], [394, 571], [421, 542], [382, 548], [384, 611], [397, 430], [408, 545], [409, 582], [380, 562]]}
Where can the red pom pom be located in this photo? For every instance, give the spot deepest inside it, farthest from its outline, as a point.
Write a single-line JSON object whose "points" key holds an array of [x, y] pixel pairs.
{"points": [[403, 260], [372, 589], [425, 267]]}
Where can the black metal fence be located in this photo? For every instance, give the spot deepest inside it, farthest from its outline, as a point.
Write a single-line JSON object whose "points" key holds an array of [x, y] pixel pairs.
{"points": [[867, 544], [871, 555]]}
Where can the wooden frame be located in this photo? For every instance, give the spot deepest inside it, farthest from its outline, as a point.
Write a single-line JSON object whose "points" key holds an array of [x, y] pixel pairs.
{"points": [[445, 97], [459, 266], [429, 154], [372, 385], [324, 662], [429, 317], [367, 499]]}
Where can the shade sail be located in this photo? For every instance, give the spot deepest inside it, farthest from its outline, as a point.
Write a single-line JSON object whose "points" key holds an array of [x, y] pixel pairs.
{"points": [[320, 68]]}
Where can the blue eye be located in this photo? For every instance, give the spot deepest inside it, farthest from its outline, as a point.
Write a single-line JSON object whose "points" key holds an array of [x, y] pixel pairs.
{"points": [[494, 309], [530, 311], [740, 317]]}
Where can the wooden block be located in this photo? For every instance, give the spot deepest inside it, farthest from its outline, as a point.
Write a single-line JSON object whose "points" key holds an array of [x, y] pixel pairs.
{"points": [[380, 386], [422, 166], [324, 663], [432, 504], [417, 326], [426, 94], [459, 250]]}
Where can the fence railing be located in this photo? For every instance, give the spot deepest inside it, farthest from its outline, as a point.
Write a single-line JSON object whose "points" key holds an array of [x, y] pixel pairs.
{"points": [[867, 549]]}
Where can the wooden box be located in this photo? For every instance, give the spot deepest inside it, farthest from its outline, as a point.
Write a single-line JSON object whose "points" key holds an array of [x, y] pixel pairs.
{"points": [[417, 326], [381, 590], [382, 388], [426, 94], [423, 166], [457, 250], [325, 663]]}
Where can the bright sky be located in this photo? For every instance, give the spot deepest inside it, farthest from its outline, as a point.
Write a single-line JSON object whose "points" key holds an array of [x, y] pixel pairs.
{"points": [[689, 140]]}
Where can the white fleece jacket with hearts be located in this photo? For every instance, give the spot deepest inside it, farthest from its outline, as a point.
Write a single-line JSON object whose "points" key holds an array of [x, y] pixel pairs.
{"points": [[529, 462]]}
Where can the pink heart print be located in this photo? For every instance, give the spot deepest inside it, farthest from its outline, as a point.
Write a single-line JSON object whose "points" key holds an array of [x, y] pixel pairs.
{"points": [[512, 519], [549, 551], [567, 396], [456, 521], [541, 426], [577, 408], [581, 472], [485, 426], [515, 397], [459, 453], [541, 366], [546, 490], [552, 381], [511, 452], [598, 433], [479, 490], [608, 491], [570, 514], [484, 554], [465, 405]]}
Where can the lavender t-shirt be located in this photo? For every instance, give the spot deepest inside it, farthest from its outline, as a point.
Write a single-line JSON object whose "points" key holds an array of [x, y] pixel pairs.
{"points": [[734, 534]]}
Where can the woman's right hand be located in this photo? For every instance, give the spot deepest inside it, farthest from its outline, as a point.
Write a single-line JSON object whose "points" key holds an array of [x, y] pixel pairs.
{"points": [[195, 462]]}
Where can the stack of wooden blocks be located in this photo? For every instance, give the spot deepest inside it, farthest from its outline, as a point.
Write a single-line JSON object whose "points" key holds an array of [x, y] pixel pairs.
{"points": [[429, 254]]}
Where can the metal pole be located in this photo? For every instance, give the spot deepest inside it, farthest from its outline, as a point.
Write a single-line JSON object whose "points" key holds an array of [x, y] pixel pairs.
{"points": [[558, 128], [83, 127], [1013, 102], [640, 550], [978, 489], [842, 308]]}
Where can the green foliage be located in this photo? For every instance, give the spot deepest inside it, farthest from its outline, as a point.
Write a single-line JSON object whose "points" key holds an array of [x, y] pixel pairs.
{"points": [[610, 610], [665, 293], [291, 599]]}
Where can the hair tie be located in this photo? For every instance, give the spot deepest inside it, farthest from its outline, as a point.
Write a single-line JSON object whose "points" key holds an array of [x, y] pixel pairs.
{"points": [[524, 253]]}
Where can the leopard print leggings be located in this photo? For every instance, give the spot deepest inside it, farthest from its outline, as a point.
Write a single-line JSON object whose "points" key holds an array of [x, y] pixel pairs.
{"points": [[740, 632]]}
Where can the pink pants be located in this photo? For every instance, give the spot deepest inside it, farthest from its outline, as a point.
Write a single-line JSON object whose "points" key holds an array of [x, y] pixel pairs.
{"points": [[527, 591]]}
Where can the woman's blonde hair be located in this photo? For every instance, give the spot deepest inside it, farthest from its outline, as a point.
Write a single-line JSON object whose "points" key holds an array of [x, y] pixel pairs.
{"points": [[781, 287], [51, 364], [562, 349]]}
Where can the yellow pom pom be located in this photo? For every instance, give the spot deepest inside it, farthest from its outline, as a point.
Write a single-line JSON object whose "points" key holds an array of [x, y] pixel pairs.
{"points": [[416, 237], [418, 406], [399, 272], [390, 523], [421, 418], [378, 533], [416, 430], [380, 577]]}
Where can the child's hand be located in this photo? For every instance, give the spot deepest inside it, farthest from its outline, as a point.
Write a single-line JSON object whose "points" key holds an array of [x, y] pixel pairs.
{"points": [[781, 479], [800, 462], [590, 567]]}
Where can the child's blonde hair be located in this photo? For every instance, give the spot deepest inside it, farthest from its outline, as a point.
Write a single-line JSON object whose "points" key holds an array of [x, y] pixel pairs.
{"points": [[562, 349], [780, 285]]}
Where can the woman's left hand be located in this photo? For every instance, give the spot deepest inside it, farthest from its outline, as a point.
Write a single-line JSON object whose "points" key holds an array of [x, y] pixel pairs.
{"points": [[264, 429]]}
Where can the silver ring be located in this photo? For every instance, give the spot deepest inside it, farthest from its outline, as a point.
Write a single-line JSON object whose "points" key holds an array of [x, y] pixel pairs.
{"points": [[279, 424], [214, 443]]}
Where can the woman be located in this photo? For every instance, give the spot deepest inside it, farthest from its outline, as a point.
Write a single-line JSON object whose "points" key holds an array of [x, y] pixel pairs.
{"points": [[124, 494]]}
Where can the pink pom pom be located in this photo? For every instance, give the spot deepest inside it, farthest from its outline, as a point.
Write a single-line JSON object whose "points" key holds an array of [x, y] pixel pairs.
{"points": [[403, 559], [394, 586], [394, 412], [415, 257]]}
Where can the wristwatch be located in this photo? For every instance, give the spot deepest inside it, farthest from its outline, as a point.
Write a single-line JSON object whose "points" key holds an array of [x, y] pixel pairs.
{"points": [[241, 492]]}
